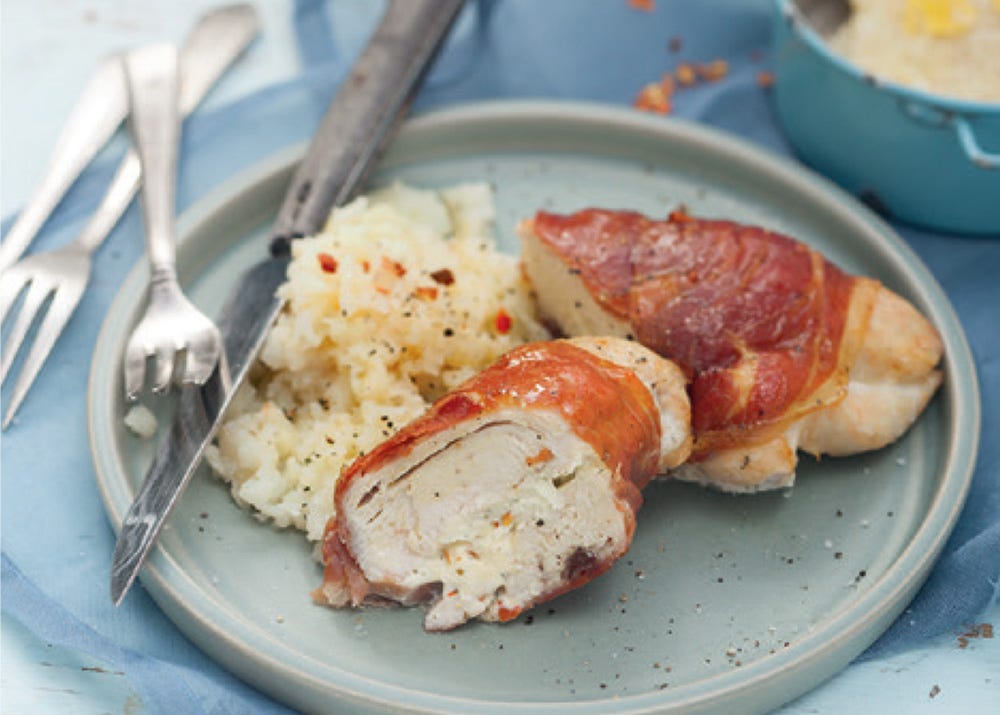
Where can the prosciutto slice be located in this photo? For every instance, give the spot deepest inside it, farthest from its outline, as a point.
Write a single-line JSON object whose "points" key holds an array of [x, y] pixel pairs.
{"points": [[518, 486], [782, 349]]}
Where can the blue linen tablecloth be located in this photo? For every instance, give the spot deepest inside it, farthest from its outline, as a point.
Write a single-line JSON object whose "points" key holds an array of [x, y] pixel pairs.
{"points": [[56, 540]]}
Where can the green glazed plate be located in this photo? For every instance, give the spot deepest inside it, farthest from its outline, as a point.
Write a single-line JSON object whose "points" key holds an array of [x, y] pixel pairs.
{"points": [[724, 603]]}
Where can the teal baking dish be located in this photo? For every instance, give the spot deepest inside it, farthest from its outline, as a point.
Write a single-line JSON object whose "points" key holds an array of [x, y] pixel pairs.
{"points": [[923, 158]]}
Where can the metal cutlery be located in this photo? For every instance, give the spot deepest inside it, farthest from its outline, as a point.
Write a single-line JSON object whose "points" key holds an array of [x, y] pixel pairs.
{"points": [[359, 122], [214, 43], [172, 326], [95, 117]]}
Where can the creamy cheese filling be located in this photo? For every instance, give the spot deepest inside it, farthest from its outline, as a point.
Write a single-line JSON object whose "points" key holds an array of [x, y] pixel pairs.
{"points": [[495, 512]]}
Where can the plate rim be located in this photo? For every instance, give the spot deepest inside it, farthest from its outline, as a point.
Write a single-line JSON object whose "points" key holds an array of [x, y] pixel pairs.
{"points": [[875, 609]]}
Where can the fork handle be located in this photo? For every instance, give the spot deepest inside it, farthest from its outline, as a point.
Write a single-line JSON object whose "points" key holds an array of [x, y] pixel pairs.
{"points": [[155, 125], [96, 116], [217, 39]]}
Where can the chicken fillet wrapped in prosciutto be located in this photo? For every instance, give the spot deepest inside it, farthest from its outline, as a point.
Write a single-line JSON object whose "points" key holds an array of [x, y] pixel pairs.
{"points": [[783, 350], [521, 484]]}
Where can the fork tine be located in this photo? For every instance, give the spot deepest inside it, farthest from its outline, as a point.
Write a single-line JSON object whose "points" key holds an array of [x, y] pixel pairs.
{"points": [[200, 359], [135, 368], [37, 293], [63, 305], [197, 373], [164, 370], [10, 288]]}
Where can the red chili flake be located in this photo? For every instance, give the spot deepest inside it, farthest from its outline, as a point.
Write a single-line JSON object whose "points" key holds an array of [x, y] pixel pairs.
{"points": [[394, 266], [643, 5], [443, 277], [503, 322], [386, 275], [504, 613], [765, 79], [654, 97], [685, 75], [327, 262], [426, 292], [452, 593], [712, 71], [976, 630], [365, 266], [679, 216], [543, 456]]}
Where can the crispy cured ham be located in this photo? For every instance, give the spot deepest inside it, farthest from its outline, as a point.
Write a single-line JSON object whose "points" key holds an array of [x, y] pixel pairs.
{"points": [[518, 486], [782, 349]]}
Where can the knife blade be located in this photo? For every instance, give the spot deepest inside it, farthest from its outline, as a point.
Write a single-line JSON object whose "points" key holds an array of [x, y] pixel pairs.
{"points": [[358, 124]]}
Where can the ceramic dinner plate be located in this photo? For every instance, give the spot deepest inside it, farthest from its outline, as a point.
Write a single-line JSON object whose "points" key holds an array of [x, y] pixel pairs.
{"points": [[724, 603]]}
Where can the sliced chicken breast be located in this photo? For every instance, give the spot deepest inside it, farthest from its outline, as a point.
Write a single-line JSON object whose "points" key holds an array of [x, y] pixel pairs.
{"points": [[518, 486], [783, 350]]}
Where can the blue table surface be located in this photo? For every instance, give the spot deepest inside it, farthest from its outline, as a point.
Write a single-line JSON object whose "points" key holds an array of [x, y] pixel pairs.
{"points": [[48, 48]]}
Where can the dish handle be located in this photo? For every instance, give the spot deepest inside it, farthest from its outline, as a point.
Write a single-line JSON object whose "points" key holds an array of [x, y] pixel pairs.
{"points": [[934, 116], [967, 138]]}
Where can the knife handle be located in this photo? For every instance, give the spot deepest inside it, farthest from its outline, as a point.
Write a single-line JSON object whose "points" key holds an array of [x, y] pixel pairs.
{"points": [[363, 115]]}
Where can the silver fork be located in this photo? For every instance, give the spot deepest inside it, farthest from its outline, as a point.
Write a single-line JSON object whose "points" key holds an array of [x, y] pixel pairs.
{"points": [[172, 324], [216, 40], [91, 123]]}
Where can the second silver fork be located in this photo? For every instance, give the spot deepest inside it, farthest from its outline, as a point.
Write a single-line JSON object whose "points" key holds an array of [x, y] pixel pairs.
{"points": [[172, 326], [60, 276]]}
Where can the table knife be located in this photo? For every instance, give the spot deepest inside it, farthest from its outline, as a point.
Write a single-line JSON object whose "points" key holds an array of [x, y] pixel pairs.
{"points": [[358, 124]]}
